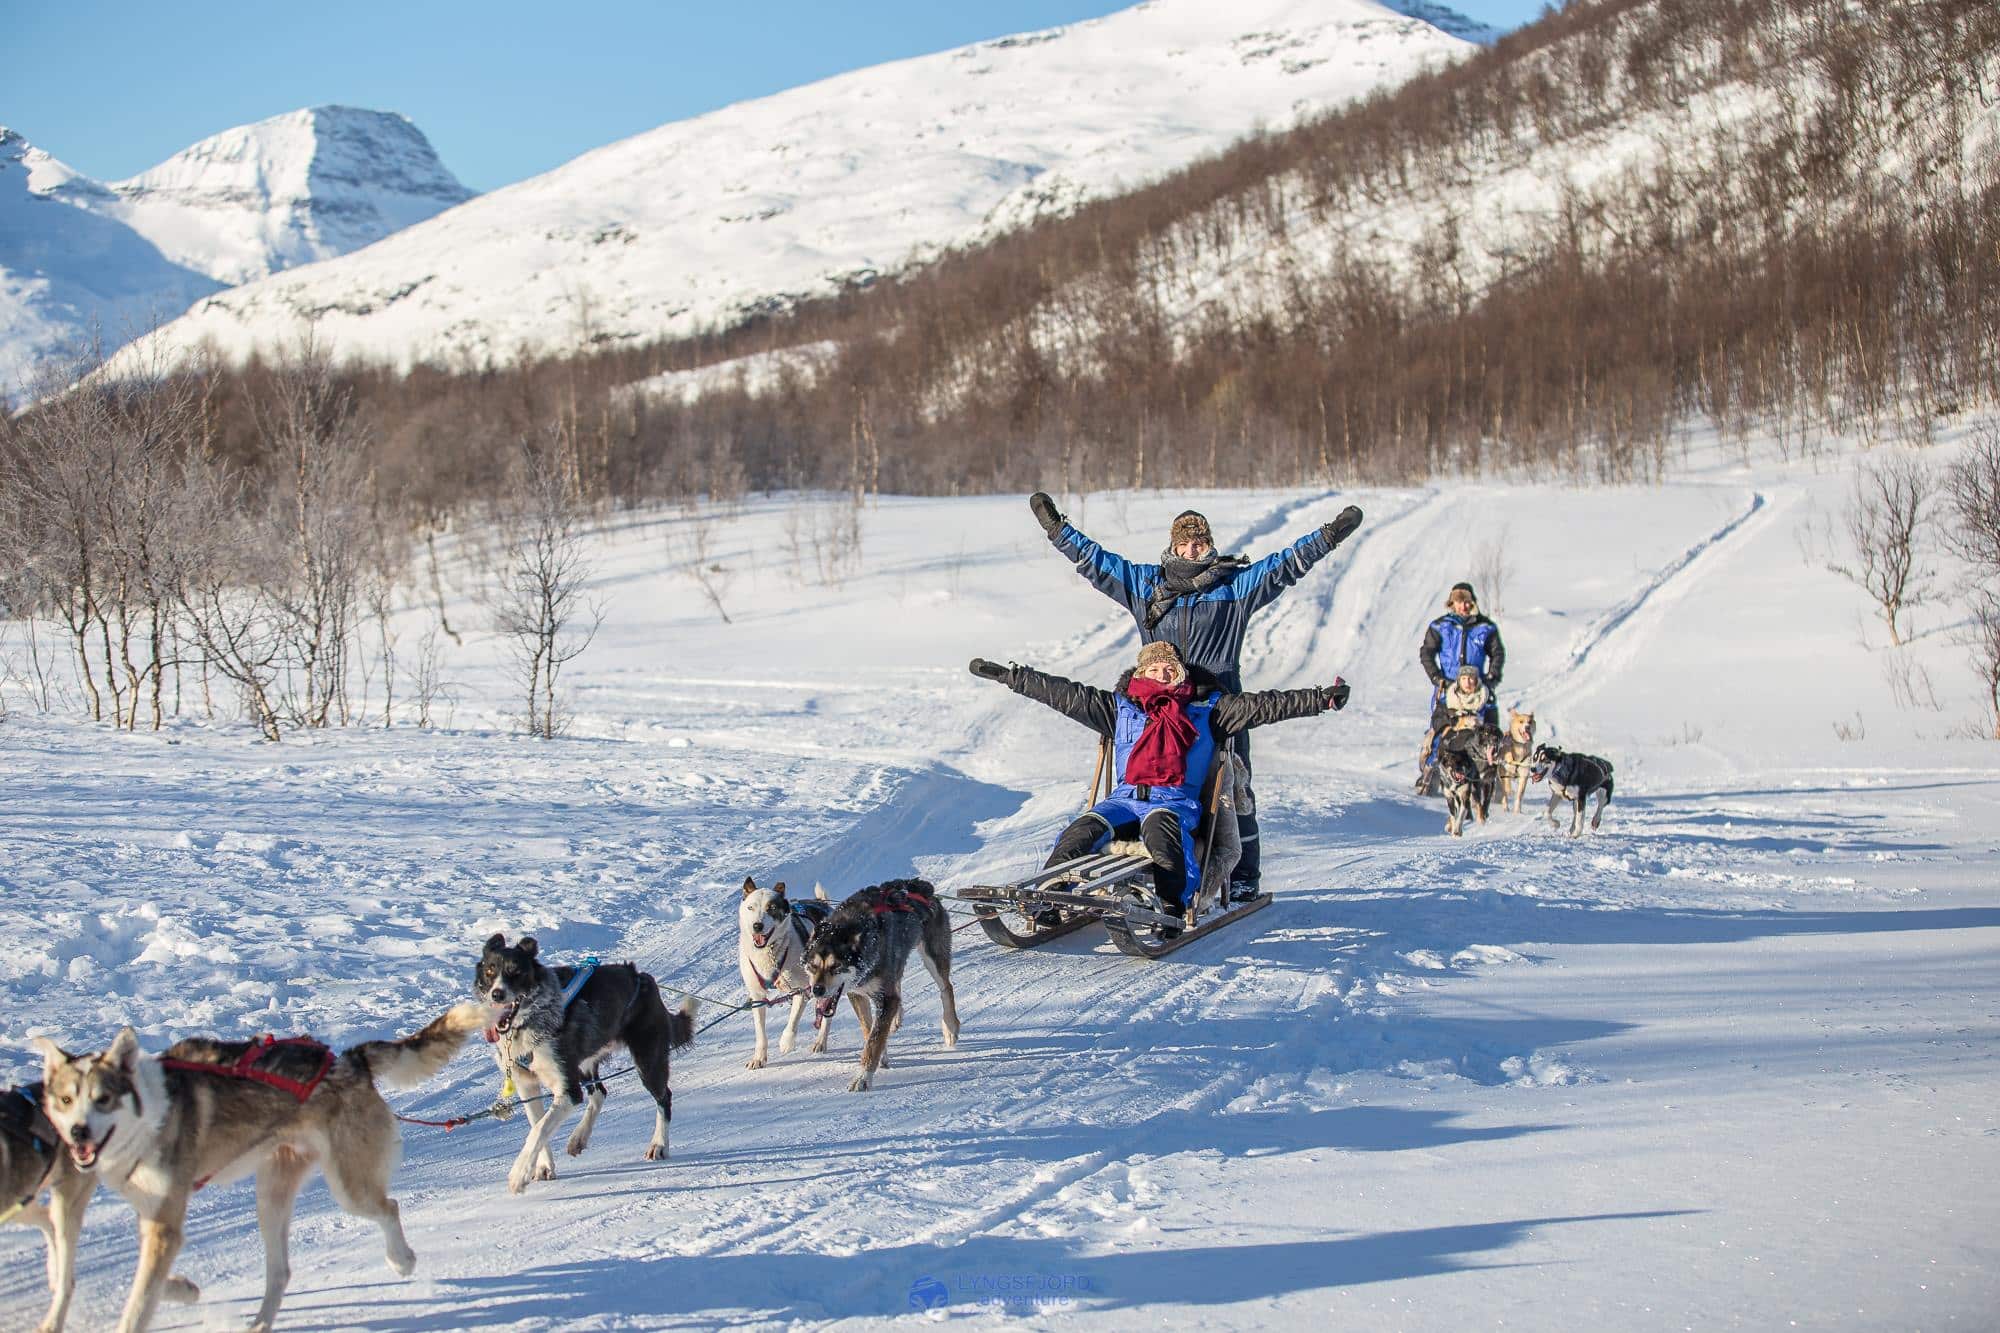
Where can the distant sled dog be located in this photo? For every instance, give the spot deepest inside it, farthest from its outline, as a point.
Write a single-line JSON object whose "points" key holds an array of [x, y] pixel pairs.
{"points": [[1573, 777], [1516, 752], [158, 1128], [861, 950], [545, 1043], [772, 932], [33, 1158]]}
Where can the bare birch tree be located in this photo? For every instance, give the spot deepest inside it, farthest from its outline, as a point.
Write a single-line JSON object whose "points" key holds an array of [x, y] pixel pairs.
{"points": [[542, 605], [1884, 527]]}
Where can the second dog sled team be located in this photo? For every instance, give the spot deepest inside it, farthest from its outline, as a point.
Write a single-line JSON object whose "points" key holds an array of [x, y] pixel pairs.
{"points": [[157, 1128]]}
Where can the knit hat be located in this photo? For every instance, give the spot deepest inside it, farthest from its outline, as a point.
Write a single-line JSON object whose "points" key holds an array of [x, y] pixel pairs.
{"points": [[1161, 651], [1465, 588], [1465, 668], [1188, 525]]}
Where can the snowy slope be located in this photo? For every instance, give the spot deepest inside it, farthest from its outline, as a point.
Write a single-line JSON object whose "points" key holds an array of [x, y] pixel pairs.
{"points": [[1734, 1061], [744, 209], [248, 202], [69, 276]]}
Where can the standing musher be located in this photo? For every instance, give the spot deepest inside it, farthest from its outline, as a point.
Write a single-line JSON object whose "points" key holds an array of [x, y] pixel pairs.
{"points": [[1461, 637], [1200, 602]]}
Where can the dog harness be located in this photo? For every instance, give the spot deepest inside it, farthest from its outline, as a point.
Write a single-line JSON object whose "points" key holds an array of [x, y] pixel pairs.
{"points": [[570, 992], [902, 900], [245, 1066], [20, 1113]]}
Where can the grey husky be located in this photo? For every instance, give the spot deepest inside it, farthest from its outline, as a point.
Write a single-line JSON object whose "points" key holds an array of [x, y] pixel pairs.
{"points": [[32, 1158], [861, 950], [544, 1042], [158, 1128]]}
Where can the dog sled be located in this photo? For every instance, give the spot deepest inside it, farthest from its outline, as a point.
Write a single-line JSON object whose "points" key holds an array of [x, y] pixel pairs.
{"points": [[1114, 887]]}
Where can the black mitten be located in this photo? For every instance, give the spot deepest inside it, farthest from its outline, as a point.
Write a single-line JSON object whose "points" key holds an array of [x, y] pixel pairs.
{"points": [[1044, 510], [1343, 525], [1334, 697], [990, 670]]}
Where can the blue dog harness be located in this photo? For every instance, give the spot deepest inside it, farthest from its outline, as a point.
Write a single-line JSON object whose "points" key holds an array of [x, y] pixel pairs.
{"points": [[569, 993]]}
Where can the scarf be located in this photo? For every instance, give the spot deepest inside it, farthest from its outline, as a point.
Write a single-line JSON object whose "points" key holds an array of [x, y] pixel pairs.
{"points": [[1180, 577], [1159, 756], [1457, 701]]}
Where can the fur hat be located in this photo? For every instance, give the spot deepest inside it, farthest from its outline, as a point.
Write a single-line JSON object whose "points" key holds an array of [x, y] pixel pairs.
{"points": [[1161, 651], [1465, 588], [1188, 525]]}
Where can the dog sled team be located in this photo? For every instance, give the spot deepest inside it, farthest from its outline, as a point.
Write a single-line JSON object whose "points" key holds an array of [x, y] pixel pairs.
{"points": [[1167, 850]]}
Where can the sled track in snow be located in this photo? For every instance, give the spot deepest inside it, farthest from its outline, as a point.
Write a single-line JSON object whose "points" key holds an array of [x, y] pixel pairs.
{"points": [[1612, 624]]}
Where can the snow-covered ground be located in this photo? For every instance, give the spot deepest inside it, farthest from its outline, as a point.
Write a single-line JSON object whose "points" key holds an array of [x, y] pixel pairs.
{"points": [[1731, 1062]]}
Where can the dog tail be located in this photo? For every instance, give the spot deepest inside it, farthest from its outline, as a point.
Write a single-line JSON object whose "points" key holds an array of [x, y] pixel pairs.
{"points": [[406, 1062], [680, 1024]]}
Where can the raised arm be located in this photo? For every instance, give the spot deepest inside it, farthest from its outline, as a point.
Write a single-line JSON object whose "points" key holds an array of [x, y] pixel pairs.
{"points": [[1094, 708], [1260, 584], [1112, 574], [1240, 712]]}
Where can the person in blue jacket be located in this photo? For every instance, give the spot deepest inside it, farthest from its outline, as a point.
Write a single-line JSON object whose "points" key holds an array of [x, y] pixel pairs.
{"points": [[1200, 601], [1167, 723], [1461, 637]]}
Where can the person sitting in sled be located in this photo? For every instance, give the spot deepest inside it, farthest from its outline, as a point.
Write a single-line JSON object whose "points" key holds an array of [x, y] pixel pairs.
{"points": [[1465, 703], [1200, 601], [1165, 725], [1459, 638]]}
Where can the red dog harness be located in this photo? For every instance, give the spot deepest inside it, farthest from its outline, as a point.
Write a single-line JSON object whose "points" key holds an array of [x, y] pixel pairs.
{"points": [[903, 900], [246, 1066]]}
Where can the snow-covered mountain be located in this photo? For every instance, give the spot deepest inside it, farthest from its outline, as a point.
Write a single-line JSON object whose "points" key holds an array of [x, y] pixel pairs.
{"points": [[750, 207], [78, 254]]}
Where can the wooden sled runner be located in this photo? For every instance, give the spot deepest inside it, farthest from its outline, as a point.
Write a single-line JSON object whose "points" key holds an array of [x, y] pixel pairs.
{"points": [[1113, 886]]}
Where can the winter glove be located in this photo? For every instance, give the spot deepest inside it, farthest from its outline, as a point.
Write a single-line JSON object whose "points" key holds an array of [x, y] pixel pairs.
{"points": [[990, 670], [1045, 513], [1333, 697], [1343, 526]]}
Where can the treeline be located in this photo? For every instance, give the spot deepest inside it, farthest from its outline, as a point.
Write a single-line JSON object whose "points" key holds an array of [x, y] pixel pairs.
{"points": [[1812, 244]]}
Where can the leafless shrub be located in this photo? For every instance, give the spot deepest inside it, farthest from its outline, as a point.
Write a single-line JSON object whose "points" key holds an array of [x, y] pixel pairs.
{"points": [[1981, 641], [542, 605], [424, 673], [1885, 527], [1909, 682], [1972, 490], [1855, 732], [690, 545]]}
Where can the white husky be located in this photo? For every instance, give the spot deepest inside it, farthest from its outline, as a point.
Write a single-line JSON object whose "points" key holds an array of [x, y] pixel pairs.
{"points": [[771, 954]]}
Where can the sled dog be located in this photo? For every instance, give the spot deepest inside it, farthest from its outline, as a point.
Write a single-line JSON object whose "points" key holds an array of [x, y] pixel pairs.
{"points": [[158, 1128], [861, 950], [1468, 763], [545, 1043], [32, 1158], [1573, 778], [771, 937], [1515, 753]]}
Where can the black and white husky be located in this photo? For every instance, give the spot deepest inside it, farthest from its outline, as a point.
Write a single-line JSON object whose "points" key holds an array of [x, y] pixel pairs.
{"points": [[860, 951], [1572, 777], [771, 936], [545, 1043]]}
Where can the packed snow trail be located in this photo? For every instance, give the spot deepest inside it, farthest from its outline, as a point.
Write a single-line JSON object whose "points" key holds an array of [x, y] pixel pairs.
{"points": [[1437, 1083]]}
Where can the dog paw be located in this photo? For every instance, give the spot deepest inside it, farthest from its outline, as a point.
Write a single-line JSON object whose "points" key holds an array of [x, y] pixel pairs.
{"points": [[785, 1046], [656, 1152], [517, 1181], [860, 1083], [402, 1262], [180, 1291], [574, 1148], [819, 1047], [755, 1062], [546, 1171]]}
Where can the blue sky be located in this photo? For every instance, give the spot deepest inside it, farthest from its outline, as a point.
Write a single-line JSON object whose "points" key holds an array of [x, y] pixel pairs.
{"points": [[505, 89]]}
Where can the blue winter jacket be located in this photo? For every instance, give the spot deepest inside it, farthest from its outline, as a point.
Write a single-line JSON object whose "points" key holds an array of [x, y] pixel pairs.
{"points": [[1208, 627], [1452, 640]]}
